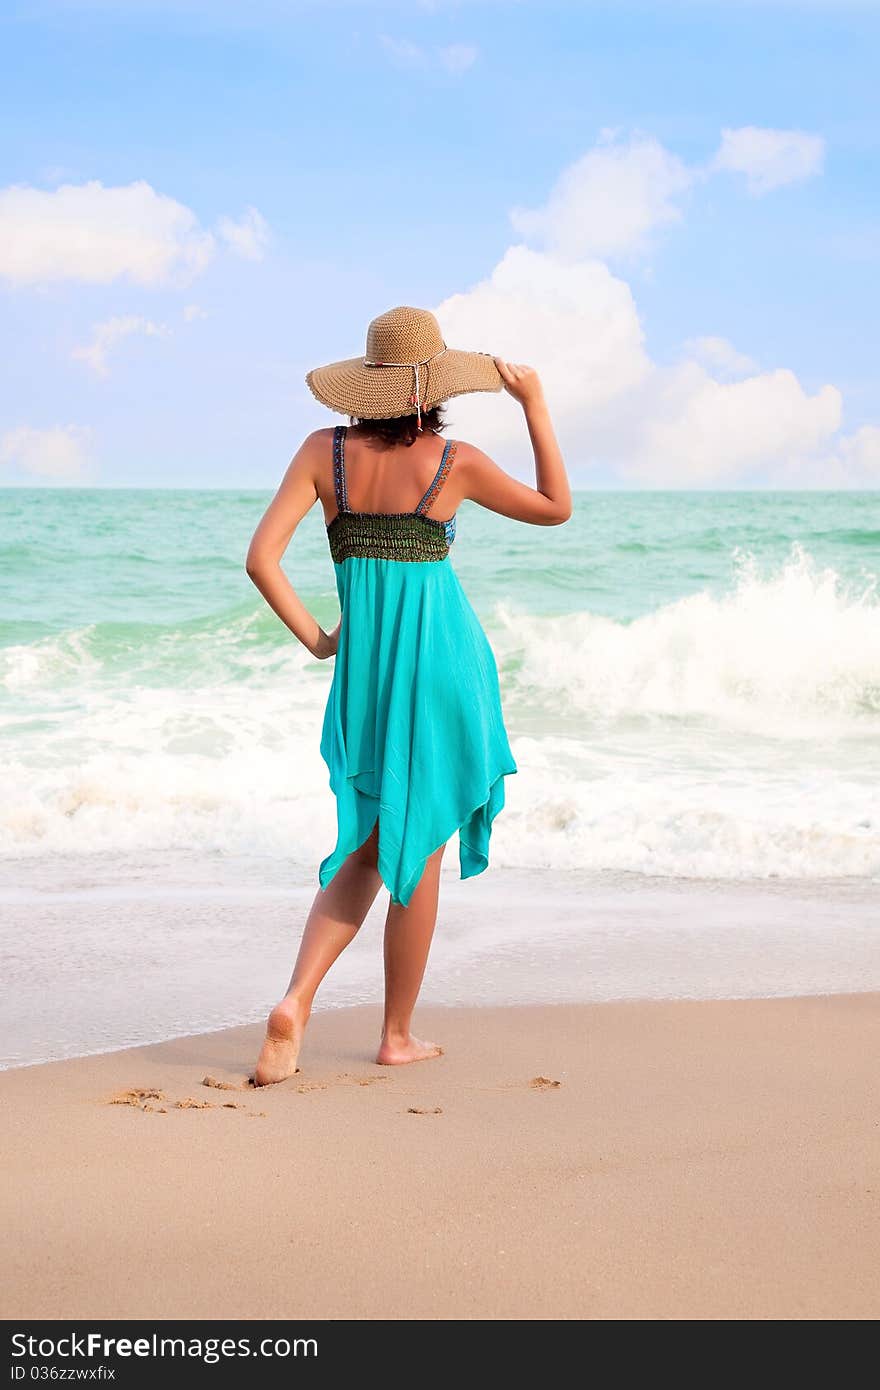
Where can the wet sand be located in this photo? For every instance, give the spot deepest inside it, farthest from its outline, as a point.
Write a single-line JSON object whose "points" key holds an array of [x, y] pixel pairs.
{"points": [[204, 956], [708, 1160]]}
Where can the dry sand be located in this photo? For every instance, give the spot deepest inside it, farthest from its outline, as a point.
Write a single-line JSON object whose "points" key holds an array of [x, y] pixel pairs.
{"points": [[695, 1160]]}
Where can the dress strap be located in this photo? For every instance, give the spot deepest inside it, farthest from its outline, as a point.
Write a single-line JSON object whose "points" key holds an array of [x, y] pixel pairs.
{"points": [[440, 477], [339, 484]]}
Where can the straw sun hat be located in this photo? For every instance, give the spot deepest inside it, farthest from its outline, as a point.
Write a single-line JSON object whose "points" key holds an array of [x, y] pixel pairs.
{"points": [[407, 368]]}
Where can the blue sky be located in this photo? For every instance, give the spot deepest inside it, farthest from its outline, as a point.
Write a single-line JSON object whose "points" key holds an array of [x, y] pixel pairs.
{"points": [[703, 307]]}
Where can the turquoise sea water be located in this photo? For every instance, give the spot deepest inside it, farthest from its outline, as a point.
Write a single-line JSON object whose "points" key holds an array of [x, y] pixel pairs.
{"points": [[691, 682]]}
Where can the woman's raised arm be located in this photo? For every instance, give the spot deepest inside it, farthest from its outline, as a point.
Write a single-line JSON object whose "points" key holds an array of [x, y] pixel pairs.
{"points": [[548, 503]]}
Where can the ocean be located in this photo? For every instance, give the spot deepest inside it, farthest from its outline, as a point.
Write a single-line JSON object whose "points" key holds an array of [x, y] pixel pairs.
{"points": [[691, 683]]}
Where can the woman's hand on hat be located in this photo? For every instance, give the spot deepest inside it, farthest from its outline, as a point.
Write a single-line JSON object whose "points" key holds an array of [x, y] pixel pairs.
{"points": [[523, 383]]}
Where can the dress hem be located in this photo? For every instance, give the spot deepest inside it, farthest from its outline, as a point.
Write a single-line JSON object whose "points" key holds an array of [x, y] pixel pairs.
{"points": [[324, 881]]}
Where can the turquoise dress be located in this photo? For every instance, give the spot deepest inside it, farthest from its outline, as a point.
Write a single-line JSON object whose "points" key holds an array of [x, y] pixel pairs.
{"points": [[413, 731]]}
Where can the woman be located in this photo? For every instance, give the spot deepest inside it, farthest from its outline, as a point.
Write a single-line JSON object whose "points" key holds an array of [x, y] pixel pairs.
{"points": [[413, 732]]}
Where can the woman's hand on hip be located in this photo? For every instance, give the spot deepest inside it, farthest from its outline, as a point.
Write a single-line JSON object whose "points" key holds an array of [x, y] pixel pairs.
{"points": [[523, 383], [327, 642]]}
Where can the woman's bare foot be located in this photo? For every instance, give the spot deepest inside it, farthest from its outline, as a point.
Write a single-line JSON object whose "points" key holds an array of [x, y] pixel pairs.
{"points": [[395, 1051], [284, 1035]]}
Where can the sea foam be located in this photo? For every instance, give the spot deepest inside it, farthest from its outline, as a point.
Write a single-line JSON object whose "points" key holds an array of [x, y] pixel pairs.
{"points": [[727, 734], [792, 652]]}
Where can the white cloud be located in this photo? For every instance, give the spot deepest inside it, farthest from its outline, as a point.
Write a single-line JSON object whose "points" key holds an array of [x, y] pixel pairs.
{"points": [[454, 57], [702, 431], [191, 312], [60, 453], [721, 357], [577, 321], [613, 406], [770, 158], [247, 237], [609, 201], [109, 334], [859, 458], [95, 234], [458, 57], [712, 419], [849, 461]]}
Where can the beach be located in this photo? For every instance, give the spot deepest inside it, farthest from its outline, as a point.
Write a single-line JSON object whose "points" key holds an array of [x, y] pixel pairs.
{"points": [[648, 1160], [678, 926], [149, 949]]}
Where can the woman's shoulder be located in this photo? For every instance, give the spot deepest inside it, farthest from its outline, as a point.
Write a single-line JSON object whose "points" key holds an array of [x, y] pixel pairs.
{"points": [[317, 446], [319, 436], [468, 456]]}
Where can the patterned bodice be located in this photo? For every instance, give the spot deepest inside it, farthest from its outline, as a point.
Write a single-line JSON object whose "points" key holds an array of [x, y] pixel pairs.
{"points": [[412, 536]]}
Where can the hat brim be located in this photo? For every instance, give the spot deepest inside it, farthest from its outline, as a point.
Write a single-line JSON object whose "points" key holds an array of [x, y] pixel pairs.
{"points": [[384, 393]]}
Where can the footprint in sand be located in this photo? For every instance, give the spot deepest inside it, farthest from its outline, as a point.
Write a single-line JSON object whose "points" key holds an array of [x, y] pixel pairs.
{"points": [[248, 1084], [190, 1104], [304, 1087], [138, 1096], [143, 1097], [346, 1079]]}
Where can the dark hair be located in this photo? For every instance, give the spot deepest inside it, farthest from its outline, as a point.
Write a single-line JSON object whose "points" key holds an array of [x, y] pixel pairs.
{"points": [[401, 429]]}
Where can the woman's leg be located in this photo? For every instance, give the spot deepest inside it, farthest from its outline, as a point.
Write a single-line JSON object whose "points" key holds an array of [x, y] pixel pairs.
{"points": [[334, 920], [408, 933]]}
